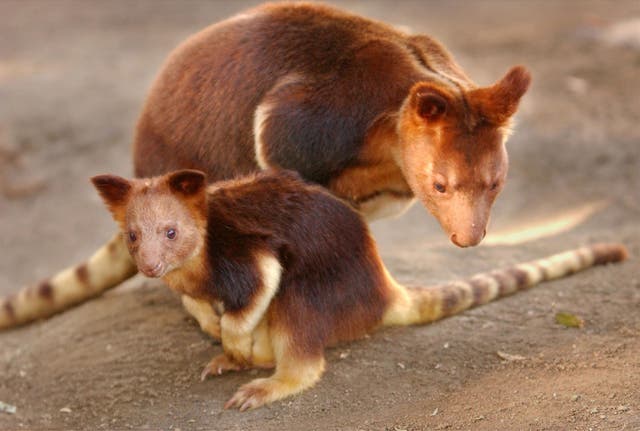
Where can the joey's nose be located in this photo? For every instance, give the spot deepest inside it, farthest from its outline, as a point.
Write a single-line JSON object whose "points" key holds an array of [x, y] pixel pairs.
{"points": [[152, 270]]}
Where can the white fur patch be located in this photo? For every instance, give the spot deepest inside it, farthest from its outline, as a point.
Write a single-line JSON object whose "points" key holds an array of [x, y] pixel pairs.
{"points": [[261, 115], [259, 119], [385, 205], [270, 272], [204, 313]]}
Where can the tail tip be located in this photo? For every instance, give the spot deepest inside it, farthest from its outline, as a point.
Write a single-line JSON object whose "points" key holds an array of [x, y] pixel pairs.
{"points": [[608, 253]]}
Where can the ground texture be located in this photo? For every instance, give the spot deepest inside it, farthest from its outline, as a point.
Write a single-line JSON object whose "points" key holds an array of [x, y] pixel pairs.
{"points": [[72, 79]]}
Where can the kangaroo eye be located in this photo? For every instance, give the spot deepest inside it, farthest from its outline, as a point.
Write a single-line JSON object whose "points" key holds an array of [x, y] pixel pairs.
{"points": [[132, 236], [171, 233], [440, 188], [494, 186]]}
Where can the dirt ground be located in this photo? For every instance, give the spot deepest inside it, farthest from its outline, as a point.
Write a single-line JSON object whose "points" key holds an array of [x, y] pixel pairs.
{"points": [[72, 79]]}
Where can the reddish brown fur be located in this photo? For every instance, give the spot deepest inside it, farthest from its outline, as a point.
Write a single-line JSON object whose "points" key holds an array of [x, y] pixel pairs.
{"points": [[45, 290], [312, 235], [270, 240], [83, 274], [349, 103], [8, 306], [317, 73]]}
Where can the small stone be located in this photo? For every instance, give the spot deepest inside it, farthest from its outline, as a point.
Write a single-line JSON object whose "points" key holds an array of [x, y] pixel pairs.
{"points": [[576, 397], [344, 355], [509, 357], [623, 408], [401, 365], [65, 410], [593, 411], [435, 412], [7, 408], [446, 345]]}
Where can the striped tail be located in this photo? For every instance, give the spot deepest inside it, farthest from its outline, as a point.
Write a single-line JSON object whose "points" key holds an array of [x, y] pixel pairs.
{"points": [[423, 305], [108, 267]]}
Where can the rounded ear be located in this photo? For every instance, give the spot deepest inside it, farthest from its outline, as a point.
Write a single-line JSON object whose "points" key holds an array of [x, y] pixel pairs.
{"points": [[113, 189], [430, 103], [187, 182]]}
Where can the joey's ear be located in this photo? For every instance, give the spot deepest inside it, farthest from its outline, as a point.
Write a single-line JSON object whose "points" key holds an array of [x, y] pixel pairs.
{"points": [[429, 103], [499, 101], [114, 190], [187, 182]]}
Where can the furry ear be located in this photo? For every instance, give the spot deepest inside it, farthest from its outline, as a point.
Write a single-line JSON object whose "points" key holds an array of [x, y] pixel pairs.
{"points": [[187, 182], [114, 190], [429, 103], [499, 102]]}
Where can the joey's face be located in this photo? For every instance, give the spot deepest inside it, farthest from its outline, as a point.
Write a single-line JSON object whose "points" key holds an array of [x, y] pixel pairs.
{"points": [[163, 219], [452, 151], [161, 233]]}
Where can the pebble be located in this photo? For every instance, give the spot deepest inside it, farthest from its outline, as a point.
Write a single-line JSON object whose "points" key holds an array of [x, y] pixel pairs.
{"points": [[7, 408]]}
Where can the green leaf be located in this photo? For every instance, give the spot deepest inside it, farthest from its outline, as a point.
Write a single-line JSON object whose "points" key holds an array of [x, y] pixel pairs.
{"points": [[569, 320]]}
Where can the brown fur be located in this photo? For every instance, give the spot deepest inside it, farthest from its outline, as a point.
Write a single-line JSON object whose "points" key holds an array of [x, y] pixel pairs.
{"points": [[350, 103], [375, 115], [294, 269]]}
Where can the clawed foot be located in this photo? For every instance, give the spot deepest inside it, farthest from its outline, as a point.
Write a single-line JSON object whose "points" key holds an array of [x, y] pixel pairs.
{"points": [[219, 365], [252, 395]]}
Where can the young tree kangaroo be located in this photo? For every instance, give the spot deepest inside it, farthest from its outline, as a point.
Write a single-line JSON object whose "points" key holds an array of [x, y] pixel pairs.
{"points": [[375, 115], [292, 268]]}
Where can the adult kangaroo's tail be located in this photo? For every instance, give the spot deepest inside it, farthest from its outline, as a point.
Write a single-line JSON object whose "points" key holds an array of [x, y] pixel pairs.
{"points": [[108, 267], [422, 305]]}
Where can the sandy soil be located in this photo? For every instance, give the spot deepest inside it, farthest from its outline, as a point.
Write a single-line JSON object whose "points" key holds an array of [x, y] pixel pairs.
{"points": [[72, 79]]}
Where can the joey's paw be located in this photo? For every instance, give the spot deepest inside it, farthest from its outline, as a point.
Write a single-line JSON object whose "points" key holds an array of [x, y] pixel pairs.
{"points": [[250, 396], [219, 365]]}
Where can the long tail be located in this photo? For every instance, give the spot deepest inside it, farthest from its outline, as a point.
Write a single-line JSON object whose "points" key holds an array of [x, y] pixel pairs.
{"points": [[108, 267], [423, 305]]}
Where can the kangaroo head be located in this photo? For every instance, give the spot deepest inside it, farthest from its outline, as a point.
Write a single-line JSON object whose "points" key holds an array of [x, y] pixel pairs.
{"points": [[452, 150], [163, 219]]}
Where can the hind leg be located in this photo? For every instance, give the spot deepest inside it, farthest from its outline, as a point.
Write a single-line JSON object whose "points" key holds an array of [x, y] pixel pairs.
{"points": [[261, 355], [294, 373]]}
